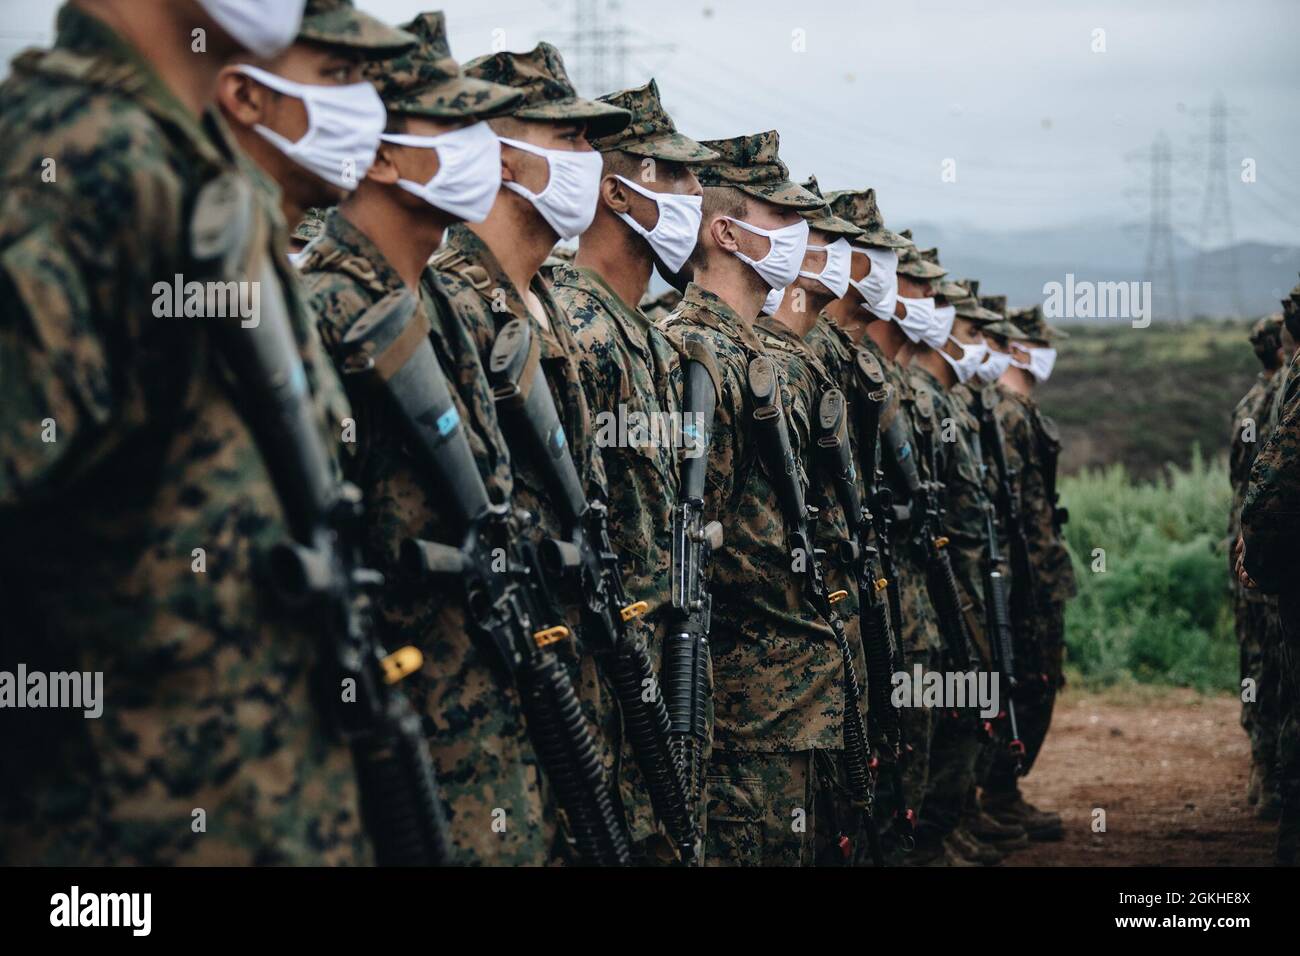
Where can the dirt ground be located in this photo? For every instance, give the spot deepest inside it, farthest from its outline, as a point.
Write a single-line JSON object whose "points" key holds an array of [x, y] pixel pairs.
{"points": [[1169, 768]]}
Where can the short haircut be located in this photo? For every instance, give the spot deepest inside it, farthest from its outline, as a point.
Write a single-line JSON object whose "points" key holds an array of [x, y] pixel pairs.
{"points": [[718, 201]]}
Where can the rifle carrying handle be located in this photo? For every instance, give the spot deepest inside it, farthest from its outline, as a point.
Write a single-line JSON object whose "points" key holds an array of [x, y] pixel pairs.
{"points": [[390, 346], [524, 397], [699, 403]]}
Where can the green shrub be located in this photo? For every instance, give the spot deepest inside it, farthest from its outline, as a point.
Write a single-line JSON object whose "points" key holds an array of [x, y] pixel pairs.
{"points": [[1160, 612]]}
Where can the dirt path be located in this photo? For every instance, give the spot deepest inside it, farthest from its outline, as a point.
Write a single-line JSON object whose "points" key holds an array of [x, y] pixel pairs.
{"points": [[1169, 768]]}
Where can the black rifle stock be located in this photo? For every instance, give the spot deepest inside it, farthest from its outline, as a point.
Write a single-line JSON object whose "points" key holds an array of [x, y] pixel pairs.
{"points": [[927, 524], [321, 569], [835, 459], [684, 670], [586, 560], [495, 566], [774, 449]]}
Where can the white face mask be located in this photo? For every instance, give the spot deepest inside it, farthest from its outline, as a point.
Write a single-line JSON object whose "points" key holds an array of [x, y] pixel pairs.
{"points": [[972, 356], [773, 302], [261, 28], [918, 322], [879, 288], [678, 227], [1040, 364], [343, 127], [835, 273], [944, 317], [993, 367], [469, 170], [784, 256], [568, 203]]}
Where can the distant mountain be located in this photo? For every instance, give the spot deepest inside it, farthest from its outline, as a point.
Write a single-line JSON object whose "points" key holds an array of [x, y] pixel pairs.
{"points": [[1020, 263]]}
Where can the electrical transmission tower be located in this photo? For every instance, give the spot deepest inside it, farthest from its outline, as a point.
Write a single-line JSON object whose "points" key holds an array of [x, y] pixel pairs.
{"points": [[1217, 277], [1160, 235], [598, 50]]}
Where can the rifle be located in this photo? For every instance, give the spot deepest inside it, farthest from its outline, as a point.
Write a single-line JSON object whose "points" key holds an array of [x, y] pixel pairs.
{"points": [[585, 560], [1022, 568], [495, 565], [685, 666], [774, 449], [999, 624], [926, 513], [321, 567], [836, 460]]}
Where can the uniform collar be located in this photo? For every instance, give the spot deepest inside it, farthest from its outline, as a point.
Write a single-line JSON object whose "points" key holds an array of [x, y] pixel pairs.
{"points": [[343, 247], [633, 322]]}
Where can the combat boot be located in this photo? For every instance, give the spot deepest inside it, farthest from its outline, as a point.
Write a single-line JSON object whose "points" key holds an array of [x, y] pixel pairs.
{"points": [[972, 849], [1003, 836], [1254, 785], [1270, 802], [1014, 809]]}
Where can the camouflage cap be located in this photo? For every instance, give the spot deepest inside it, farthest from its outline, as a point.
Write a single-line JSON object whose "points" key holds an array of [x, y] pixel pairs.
{"points": [[968, 305], [1266, 334], [950, 289], [426, 81], [824, 219], [548, 95], [339, 23], [752, 165], [1035, 326], [651, 131], [858, 206], [994, 303], [914, 265]]}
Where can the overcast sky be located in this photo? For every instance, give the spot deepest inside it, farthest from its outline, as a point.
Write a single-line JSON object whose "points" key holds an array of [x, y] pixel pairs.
{"points": [[1043, 130]]}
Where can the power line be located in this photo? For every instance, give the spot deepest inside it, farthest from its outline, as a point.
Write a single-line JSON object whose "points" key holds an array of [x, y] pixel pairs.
{"points": [[1216, 269], [1159, 269]]}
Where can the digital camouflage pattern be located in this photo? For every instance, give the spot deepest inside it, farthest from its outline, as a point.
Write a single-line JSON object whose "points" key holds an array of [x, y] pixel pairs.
{"points": [[858, 206], [914, 265], [753, 165], [339, 23], [777, 673], [624, 363], [206, 679], [776, 670], [651, 131], [472, 717], [478, 296], [1255, 613], [957, 744], [1270, 518], [426, 80], [548, 95], [824, 219], [659, 307], [918, 630]]}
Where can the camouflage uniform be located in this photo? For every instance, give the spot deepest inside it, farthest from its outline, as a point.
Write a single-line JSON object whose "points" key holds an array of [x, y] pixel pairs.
{"points": [[471, 713], [467, 281], [624, 363], [1269, 526], [777, 693], [206, 697], [1255, 613]]}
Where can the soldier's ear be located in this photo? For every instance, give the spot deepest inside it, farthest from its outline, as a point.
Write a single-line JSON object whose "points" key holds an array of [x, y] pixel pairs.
{"points": [[384, 169], [724, 233], [241, 98], [614, 193]]}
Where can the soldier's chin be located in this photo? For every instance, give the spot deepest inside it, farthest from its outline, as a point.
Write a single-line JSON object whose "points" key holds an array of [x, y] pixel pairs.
{"points": [[680, 279]]}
